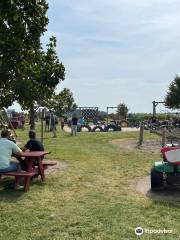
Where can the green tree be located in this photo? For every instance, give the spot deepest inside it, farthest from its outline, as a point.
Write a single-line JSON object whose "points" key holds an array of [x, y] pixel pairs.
{"points": [[62, 102], [122, 110], [41, 76], [29, 73], [172, 98], [21, 25]]}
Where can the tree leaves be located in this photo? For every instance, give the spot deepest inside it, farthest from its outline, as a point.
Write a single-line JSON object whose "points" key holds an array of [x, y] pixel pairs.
{"points": [[61, 103], [122, 110], [172, 99], [26, 71]]}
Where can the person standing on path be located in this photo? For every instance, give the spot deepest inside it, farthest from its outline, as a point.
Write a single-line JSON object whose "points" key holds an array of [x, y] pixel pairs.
{"points": [[53, 124], [62, 123], [47, 121], [74, 122]]}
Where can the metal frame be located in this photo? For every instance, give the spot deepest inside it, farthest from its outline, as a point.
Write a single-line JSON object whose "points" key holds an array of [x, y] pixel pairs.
{"points": [[154, 107], [5, 120], [95, 109]]}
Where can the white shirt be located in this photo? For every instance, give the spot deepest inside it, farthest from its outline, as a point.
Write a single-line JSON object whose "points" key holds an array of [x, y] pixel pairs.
{"points": [[7, 147]]}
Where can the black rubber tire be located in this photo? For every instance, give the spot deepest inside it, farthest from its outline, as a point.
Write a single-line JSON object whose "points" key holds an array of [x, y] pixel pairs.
{"points": [[118, 128], [146, 127], [85, 126], [113, 127], [97, 127], [156, 180]]}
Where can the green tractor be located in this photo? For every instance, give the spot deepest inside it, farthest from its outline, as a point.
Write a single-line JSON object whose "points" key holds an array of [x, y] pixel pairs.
{"points": [[166, 171]]}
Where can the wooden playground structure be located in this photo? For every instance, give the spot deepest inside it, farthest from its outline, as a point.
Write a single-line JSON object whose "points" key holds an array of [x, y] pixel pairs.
{"points": [[5, 121]]}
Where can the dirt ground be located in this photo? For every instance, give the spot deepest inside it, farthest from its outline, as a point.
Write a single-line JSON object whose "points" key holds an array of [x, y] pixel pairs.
{"points": [[168, 193], [142, 185], [60, 166], [131, 144]]}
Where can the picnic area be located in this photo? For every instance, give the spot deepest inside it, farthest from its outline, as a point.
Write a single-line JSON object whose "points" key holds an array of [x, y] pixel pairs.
{"points": [[89, 120], [90, 195]]}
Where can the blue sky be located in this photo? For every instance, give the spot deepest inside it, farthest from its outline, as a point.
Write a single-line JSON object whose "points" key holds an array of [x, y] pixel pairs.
{"points": [[117, 50]]}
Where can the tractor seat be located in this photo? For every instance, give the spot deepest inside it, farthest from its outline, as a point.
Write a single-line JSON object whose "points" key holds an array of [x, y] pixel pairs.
{"points": [[171, 154]]}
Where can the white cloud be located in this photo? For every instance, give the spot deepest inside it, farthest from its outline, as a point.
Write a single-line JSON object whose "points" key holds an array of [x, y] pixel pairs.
{"points": [[124, 49]]}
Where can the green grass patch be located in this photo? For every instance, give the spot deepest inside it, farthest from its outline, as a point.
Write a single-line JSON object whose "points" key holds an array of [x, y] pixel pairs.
{"points": [[92, 198]]}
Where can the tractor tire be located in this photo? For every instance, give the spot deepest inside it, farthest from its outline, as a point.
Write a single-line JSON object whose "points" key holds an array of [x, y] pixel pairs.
{"points": [[97, 128], [113, 127], [85, 126], [118, 128], [124, 123], [156, 180]]}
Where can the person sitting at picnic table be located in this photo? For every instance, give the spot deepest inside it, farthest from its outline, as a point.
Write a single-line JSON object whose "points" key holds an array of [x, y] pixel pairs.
{"points": [[32, 145], [7, 148]]}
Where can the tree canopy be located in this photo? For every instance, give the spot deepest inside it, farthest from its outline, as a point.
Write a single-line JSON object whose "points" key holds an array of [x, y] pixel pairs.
{"points": [[172, 98], [62, 102], [122, 110], [40, 77], [28, 74], [21, 25]]}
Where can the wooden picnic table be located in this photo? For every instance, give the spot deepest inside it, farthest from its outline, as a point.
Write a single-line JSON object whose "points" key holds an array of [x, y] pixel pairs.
{"points": [[32, 169], [34, 156]]}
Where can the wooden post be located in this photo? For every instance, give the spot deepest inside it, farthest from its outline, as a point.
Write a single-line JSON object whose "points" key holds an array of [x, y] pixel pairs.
{"points": [[107, 116], [164, 137], [154, 108], [141, 134]]}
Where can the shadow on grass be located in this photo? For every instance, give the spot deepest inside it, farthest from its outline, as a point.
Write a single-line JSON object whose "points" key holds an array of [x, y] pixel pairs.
{"points": [[10, 195], [168, 194]]}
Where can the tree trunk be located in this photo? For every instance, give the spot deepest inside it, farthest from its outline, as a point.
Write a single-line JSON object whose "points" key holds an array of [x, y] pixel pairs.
{"points": [[32, 118]]}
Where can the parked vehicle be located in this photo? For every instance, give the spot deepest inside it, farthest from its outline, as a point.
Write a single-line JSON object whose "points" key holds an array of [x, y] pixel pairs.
{"points": [[167, 170]]}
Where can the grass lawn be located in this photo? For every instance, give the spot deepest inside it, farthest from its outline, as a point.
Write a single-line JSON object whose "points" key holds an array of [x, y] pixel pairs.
{"points": [[91, 199]]}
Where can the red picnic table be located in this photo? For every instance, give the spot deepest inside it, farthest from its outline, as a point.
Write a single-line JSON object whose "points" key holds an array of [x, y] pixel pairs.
{"points": [[34, 156], [32, 170]]}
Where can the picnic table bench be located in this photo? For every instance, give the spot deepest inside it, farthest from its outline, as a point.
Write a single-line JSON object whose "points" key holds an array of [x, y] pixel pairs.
{"points": [[32, 171], [18, 175]]}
